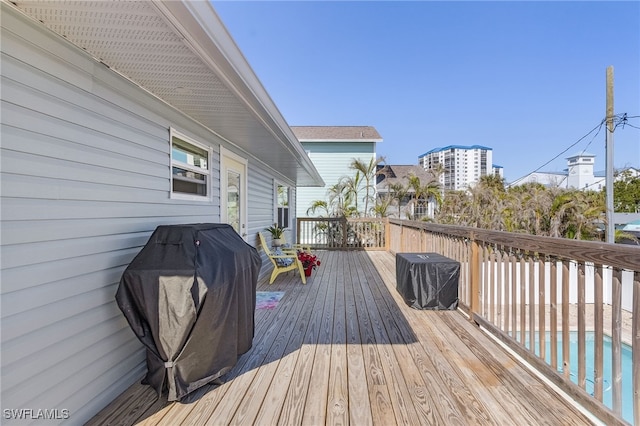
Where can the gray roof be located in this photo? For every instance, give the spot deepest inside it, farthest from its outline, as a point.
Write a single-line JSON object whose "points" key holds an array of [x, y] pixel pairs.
{"points": [[337, 133], [392, 174]]}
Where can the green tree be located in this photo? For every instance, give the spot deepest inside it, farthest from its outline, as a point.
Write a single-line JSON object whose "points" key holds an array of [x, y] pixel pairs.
{"points": [[398, 193], [423, 192], [351, 186], [453, 207], [319, 205], [626, 193], [381, 207]]}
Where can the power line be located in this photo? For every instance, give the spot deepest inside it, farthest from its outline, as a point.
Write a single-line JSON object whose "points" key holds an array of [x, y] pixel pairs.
{"points": [[592, 139], [619, 119], [624, 121], [598, 127]]}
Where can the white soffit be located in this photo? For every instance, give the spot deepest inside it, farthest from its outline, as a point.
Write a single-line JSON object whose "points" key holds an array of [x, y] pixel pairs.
{"points": [[181, 52]]}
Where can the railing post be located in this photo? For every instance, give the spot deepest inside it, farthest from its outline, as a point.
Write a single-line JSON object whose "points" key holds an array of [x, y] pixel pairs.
{"points": [[343, 222], [387, 234], [474, 277]]}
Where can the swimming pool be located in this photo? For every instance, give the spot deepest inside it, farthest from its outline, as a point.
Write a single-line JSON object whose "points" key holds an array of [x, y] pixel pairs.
{"points": [[607, 394]]}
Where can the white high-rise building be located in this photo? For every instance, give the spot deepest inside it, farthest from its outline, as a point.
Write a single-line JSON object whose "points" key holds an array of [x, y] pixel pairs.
{"points": [[461, 166]]}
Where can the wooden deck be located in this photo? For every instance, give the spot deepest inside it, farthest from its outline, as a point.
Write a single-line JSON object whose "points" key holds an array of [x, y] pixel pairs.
{"points": [[345, 349]]}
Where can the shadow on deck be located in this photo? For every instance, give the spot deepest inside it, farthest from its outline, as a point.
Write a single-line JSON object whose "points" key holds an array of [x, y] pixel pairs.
{"points": [[345, 349]]}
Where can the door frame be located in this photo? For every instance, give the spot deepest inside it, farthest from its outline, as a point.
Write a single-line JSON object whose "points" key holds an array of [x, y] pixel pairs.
{"points": [[230, 161]]}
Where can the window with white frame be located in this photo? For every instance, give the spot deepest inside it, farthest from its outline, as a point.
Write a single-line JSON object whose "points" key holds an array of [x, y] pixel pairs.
{"points": [[282, 208], [190, 167]]}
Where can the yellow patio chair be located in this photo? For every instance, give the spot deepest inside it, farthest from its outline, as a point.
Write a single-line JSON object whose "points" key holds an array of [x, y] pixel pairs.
{"points": [[286, 246], [285, 262]]}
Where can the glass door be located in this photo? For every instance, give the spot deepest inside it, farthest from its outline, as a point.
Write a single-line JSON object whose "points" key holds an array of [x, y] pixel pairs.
{"points": [[233, 197]]}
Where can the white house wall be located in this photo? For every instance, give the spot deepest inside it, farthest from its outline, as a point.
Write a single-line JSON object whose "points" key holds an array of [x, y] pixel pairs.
{"points": [[85, 179]]}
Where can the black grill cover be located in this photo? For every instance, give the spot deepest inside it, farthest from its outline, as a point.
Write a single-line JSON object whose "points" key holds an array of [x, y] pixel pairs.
{"points": [[190, 297], [428, 280]]}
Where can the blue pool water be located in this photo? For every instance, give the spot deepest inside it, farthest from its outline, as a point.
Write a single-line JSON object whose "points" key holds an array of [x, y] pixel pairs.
{"points": [[627, 394]]}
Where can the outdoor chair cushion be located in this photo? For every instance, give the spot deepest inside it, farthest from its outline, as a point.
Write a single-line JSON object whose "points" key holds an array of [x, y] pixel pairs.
{"points": [[282, 262]]}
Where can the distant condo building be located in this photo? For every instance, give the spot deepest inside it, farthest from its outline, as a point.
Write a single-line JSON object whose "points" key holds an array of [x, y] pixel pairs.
{"points": [[460, 166]]}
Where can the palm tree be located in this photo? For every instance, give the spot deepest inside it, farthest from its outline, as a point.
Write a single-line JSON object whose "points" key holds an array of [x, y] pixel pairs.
{"points": [[562, 203], [453, 207], [336, 198], [368, 171], [319, 205], [351, 187], [535, 202], [423, 193], [382, 206], [398, 193]]}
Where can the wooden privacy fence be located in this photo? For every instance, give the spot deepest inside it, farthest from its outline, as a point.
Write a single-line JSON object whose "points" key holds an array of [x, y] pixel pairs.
{"points": [[339, 233], [539, 294]]}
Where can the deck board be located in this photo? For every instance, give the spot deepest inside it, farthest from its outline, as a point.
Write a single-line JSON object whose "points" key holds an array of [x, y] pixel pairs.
{"points": [[345, 349]]}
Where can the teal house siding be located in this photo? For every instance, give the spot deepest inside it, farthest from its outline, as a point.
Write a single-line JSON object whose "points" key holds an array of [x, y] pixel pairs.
{"points": [[331, 150], [332, 161]]}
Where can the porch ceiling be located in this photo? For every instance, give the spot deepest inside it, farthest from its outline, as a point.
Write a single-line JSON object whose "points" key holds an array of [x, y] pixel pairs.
{"points": [[181, 52]]}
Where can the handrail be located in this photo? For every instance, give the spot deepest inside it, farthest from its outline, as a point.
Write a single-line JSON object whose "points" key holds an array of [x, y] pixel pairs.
{"points": [[615, 255], [340, 233], [532, 291]]}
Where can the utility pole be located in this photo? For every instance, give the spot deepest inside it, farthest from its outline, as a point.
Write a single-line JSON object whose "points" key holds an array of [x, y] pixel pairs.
{"points": [[610, 235]]}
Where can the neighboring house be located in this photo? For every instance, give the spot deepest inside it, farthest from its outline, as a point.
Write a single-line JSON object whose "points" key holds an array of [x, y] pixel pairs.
{"points": [[458, 166], [390, 175], [117, 117], [332, 149], [549, 179], [578, 175], [627, 221]]}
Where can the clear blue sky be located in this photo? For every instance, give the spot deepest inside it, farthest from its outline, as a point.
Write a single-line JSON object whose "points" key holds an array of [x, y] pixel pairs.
{"points": [[527, 79]]}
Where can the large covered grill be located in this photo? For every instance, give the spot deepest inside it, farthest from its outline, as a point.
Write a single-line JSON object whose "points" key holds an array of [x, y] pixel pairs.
{"points": [[189, 296]]}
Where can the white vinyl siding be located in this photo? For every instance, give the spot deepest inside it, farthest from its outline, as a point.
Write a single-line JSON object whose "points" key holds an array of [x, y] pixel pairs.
{"points": [[332, 160], [85, 179], [261, 213]]}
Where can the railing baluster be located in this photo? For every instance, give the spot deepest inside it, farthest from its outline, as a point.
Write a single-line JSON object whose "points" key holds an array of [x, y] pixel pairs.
{"points": [[616, 341], [486, 295], [566, 364], [523, 298], [542, 304], [532, 305], [498, 275], [496, 293], [514, 296], [475, 278], [635, 348], [507, 293], [582, 356], [599, 332], [553, 311], [464, 252]]}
